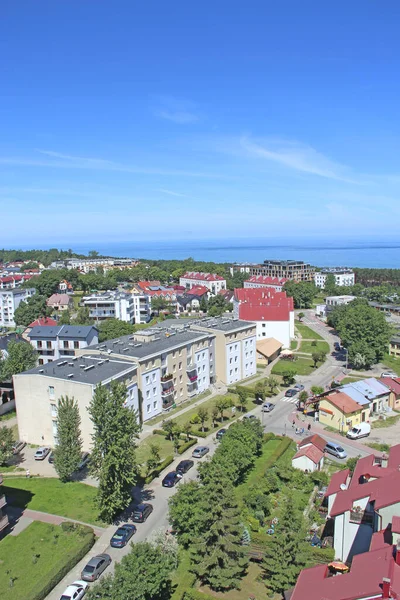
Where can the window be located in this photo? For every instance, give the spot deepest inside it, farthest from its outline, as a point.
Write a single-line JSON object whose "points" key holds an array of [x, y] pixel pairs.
{"points": [[174, 369], [230, 361], [235, 346], [153, 377], [39, 344], [51, 391], [155, 404], [264, 334], [203, 355], [245, 343], [147, 379], [230, 348], [148, 408], [247, 354], [174, 380], [264, 325], [66, 345], [48, 345], [76, 345], [236, 369], [180, 378], [154, 391], [41, 361], [230, 372], [180, 366], [147, 394], [53, 410], [247, 366], [204, 368]]}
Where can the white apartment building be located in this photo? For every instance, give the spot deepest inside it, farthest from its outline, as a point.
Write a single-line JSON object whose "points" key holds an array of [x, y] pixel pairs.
{"points": [[141, 308], [9, 302], [61, 341], [215, 283], [261, 281], [87, 265], [117, 305], [343, 276]]}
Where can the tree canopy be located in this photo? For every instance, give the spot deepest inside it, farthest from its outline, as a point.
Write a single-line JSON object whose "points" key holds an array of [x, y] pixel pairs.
{"points": [[114, 328], [30, 310], [21, 357], [67, 454], [303, 293]]}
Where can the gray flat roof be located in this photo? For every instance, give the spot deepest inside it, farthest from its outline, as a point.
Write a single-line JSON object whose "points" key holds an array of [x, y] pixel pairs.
{"points": [[165, 340], [100, 369], [225, 324], [64, 332]]}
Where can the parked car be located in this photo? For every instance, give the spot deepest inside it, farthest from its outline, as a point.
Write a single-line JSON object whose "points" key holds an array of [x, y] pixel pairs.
{"points": [[122, 536], [299, 387], [51, 458], [335, 449], [267, 407], [95, 567], [184, 466], [75, 591], [171, 479], [141, 512], [84, 460], [200, 451], [389, 374], [290, 393], [337, 346], [41, 453], [18, 446], [359, 431], [220, 434], [249, 417]]}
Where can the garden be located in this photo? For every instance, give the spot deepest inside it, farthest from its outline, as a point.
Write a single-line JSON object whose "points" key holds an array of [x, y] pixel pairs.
{"points": [[36, 559]]}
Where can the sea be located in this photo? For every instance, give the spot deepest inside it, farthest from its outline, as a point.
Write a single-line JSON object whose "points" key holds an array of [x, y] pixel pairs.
{"points": [[372, 253]]}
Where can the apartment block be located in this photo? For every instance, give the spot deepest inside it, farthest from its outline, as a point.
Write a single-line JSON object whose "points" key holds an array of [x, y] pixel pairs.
{"points": [[215, 283], [343, 276], [141, 308], [260, 281], [61, 341], [110, 305], [295, 270], [9, 301]]}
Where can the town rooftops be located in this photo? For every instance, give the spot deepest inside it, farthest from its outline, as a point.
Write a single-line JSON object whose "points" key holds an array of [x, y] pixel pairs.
{"points": [[392, 384], [199, 290], [260, 295], [202, 276], [315, 440], [16, 291], [251, 312], [343, 402], [311, 452], [109, 296], [43, 321], [59, 300], [224, 324], [84, 369], [338, 479], [65, 332], [264, 280]]}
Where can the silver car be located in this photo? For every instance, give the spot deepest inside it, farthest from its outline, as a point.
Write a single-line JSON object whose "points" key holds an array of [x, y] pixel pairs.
{"points": [[95, 567], [18, 446], [200, 451], [41, 453]]}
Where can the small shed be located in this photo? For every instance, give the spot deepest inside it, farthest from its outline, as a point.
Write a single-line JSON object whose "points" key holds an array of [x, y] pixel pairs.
{"points": [[308, 459], [268, 350]]}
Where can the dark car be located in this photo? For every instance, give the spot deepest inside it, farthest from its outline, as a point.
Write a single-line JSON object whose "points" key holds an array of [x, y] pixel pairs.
{"points": [[290, 393], [299, 387], [95, 567], [337, 346], [249, 417], [85, 458], [51, 458], [141, 512], [122, 536], [171, 479], [220, 434], [184, 466]]}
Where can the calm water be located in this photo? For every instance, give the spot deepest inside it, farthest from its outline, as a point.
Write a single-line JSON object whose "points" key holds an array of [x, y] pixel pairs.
{"points": [[360, 253]]}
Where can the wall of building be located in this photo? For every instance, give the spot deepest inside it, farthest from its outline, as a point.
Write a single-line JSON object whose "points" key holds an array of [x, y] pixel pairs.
{"points": [[202, 360], [351, 538], [150, 385], [387, 513], [280, 330], [335, 419]]}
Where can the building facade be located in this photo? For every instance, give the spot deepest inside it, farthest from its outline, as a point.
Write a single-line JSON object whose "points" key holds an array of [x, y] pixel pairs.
{"points": [[215, 283], [110, 305], [281, 269], [343, 276], [9, 302], [141, 308], [260, 281], [61, 341]]}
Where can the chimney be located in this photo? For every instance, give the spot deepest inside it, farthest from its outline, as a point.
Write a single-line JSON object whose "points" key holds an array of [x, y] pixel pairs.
{"points": [[385, 588]]}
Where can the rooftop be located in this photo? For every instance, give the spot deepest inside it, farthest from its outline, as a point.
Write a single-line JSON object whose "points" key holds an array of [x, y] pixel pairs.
{"points": [[83, 369], [343, 402], [338, 479], [59, 300], [65, 332], [311, 452], [316, 440], [392, 384], [202, 276], [225, 324], [43, 321]]}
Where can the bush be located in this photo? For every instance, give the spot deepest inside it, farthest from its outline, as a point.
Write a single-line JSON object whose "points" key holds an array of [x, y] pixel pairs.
{"points": [[160, 432], [186, 446], [40, 594], [253, 523], [195, 595], [195, 420], [156, 472], [202, 434]]}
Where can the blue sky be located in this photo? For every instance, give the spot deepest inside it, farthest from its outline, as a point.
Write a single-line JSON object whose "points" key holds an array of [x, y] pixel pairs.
{"points": [[150, 120]]}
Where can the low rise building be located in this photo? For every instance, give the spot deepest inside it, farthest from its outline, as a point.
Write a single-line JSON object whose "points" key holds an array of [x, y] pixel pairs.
{"points": [[343, 276], [13, 281], [310, 454], [261, 281], [213, 282], [110, 305], [141, 308], [61, 341], [338, 410], [9, 302], [60, 302], [393, 384], [268, 349], [331, 302], [394, 345]]}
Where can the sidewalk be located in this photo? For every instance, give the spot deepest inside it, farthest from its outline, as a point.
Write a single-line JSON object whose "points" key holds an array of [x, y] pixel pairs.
{"points": [[37, 515]]}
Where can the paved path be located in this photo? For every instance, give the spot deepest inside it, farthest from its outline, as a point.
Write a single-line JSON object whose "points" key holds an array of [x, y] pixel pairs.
{"points": [[37, 515]]}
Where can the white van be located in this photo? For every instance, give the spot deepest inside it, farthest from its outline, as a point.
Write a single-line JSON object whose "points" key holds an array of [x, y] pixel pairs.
{"points": [[359, 431]]}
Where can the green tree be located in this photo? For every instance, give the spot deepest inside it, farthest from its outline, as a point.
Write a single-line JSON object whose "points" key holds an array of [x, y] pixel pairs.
{"points": [[169, 427], [113, 456], [214, 415], [82, 317], [303, 396], [111, 329], [154, 458], [29, 266], [242, 399], [203, 416], [184, 511], [67, 454], [361, 355], [30, 310], [303, 293], [187, 429], [318, 357], [65, 318], [288, 376], [317, 390], [286, 552], [301, 316], [217, 306], [222, 404], [351, 462], [6, 444], [272, 383], [217, 554], [330, 285], [203, 304], [93, 254], [47, 282], [21, 357], [159, 303]]}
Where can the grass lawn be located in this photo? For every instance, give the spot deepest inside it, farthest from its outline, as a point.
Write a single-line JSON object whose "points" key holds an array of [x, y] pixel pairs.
{"points": [[308, 348], [250, 586], [9, 415], [302, 366], [380, 447], [178, 408], [72, 500], [143, 450], [306, 332], [350, 379], [293, 344], [52, 547], [392, 363], [380, 423], [259, 467], [209, 404]]}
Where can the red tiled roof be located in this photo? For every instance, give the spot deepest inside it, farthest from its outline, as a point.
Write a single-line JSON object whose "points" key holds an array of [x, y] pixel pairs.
{"points": [[198, 290], [339, 478], [259, 295], [267, 280], [59, 300], [43, 321], [392, 384], [169, 293], [364, 580], [316, 440], [384, 492], [343, 402], [10, 278], [394, 457], [202, 276], [311, 452], [146, 284]]}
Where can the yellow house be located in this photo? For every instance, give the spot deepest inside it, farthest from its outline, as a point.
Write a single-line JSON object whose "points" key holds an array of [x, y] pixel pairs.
{"points": [[341, 412]]}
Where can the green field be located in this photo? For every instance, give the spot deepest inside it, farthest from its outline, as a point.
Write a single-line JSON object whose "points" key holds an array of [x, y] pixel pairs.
{"points": [[34, 557], [350, 379], [208, 404], [293, 344], [72, 500], [307, 333], [302, 366], [258, 471], [143, 451], [178, 408], [392, 363], [308, 348]]}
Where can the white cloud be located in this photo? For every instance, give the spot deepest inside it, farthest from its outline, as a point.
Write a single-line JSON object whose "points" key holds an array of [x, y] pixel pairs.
{"points": [[176, 110], [171, 193]]}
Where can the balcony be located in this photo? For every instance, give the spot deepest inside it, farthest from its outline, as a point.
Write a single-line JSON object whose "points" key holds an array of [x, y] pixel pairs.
{"points": [[3, 522], [166, 378], [168, 400], [3, 501], [192, 373], [362, 517], [192, 389]]}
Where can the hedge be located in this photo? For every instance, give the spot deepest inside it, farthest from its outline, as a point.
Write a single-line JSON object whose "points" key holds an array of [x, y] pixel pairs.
{"points": [[156, 472], [87, 532], [202, 434], [195, 595], [281, 449], [186, 446], [160, 432]]}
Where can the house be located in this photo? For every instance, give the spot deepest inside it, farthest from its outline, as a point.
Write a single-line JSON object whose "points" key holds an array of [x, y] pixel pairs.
{"points": [[13, 281], [338, 410], [370, 392], [9, 302], [310, 454], [60, 302], [258, 281], [65, 287], [61, 341], [213, 282], [394, 345], [191, 299], [343, 276], [273, 312], [42, 322], [110, 305], [394, 394], [227, 295], [268, 349], [322, 310]]}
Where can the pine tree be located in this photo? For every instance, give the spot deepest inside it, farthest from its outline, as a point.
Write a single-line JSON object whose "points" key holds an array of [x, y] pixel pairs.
{"points": [[67, 454], [217, 555], [286, 553], [113, 457]]}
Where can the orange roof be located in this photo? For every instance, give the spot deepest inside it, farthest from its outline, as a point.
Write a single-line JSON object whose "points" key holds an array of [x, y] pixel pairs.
{"points": [[343, 402], [316, 440], [311, 452]]}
